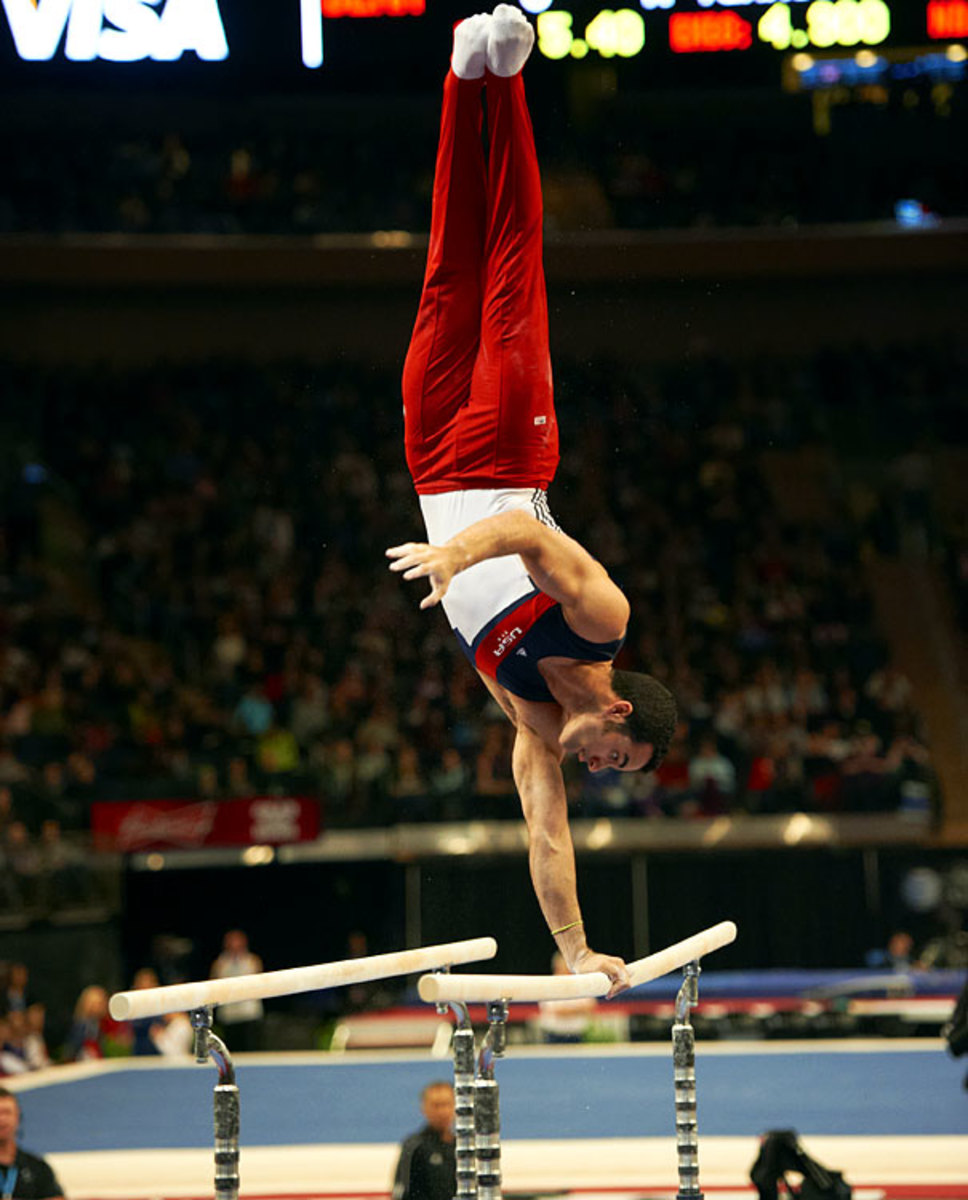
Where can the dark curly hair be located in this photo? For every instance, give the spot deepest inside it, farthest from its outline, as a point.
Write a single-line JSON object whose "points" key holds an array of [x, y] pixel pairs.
{"points": [[653, 716]]}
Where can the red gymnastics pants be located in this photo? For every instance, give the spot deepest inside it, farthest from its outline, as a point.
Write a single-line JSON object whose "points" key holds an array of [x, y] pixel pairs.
{"points": [[477, 393]]}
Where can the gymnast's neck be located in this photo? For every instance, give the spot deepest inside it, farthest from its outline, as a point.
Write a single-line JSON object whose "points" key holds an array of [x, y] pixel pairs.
{"points": [[579, 687]]}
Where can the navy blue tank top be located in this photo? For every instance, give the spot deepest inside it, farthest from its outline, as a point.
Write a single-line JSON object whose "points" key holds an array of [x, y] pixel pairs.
{"points": [[509, 647]]}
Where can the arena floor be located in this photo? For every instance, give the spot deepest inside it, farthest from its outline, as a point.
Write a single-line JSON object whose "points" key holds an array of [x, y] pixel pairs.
{"points": [[892, 1115]]}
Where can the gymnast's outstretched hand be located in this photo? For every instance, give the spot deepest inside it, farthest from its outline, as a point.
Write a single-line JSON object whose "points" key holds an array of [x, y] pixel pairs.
{"points": [[439, 564], [588, 960]]}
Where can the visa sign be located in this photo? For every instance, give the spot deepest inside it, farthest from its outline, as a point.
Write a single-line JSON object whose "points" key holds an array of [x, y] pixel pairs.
{"points": [[116, 30]]}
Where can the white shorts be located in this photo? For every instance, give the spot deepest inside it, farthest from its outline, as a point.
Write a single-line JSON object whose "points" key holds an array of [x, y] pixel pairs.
{"points": [[480, 593]]}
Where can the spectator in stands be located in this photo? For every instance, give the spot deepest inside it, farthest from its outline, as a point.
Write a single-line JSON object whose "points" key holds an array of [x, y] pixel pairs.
{"points": [[15, 994], [6, 810], [24, 865], [672, 778], [207, 785], [242, 1019], [10, 897], [142, 1042], [374, 769], [949, 947], [277, 753], [337, 782], [94, 1033], [172, 1035], [64, 877], [35, 1041], [13, 1050], [408, 787], [865, 786], [900, 950], [253, 714], [238, 781], [427, 1166], [309, 713], [368, 994], [22, 1174], [807, 695], [448, 784], [712, 777], [12, 770]]}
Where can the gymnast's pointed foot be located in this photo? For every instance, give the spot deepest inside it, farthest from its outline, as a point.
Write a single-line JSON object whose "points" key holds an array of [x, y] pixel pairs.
{"points": [[470, 47], [509, 42]]}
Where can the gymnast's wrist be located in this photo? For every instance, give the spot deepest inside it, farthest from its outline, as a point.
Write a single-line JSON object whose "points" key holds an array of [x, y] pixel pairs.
{"points": [[570, 938], [459, 553]]}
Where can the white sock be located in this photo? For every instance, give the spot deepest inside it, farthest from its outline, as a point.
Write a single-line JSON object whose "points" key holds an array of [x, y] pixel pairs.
{"points": [[509, 41], [470, 47]]}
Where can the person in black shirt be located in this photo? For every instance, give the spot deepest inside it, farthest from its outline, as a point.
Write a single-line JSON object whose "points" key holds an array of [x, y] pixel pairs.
{"points": [[427, 1168], [23, 1176]]}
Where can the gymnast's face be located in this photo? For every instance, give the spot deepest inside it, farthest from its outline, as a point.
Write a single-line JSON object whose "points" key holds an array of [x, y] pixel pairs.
{"points": [[599, 741]]}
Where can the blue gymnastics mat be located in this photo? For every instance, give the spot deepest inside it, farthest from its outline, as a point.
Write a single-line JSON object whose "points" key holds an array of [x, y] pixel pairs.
{"points": [[570, 1094]]}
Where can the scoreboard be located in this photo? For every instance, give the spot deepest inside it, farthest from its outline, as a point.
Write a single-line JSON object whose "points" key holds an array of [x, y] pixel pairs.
{"points": [[402, 44], [738, 26]]}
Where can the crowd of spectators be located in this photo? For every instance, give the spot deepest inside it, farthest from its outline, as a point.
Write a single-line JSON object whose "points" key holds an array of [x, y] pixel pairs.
{"points": [[88, 1032], [195, 600], [41, 870], [23, 1046], [624, 159]]}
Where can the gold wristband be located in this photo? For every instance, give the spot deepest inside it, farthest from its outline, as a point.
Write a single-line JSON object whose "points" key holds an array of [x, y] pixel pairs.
{"points": [[565, 928]]}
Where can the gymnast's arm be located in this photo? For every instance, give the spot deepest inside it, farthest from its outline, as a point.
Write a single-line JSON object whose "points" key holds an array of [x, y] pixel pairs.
{"points": [[594, 607], [537, 774]]}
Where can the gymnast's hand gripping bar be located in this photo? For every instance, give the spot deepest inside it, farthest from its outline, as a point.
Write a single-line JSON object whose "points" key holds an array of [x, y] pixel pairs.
{"points": [[478, 989], [184, 997]]}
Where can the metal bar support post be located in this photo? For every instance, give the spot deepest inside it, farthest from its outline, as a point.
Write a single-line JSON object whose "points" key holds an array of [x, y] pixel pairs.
{"points": [[209, 1046], [464, 1133], [487, 1110], [684, 1065]]}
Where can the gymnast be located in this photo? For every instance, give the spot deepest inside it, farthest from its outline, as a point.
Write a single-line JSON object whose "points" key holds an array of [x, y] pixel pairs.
{"points": [[536, 614]]}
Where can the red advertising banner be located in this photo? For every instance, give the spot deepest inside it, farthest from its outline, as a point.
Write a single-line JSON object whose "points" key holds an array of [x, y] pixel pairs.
{"points": [[186, 824]]}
